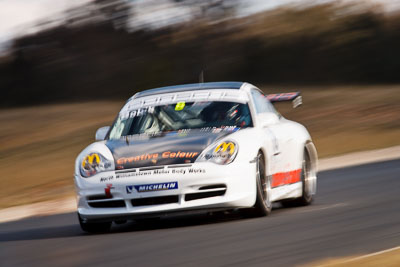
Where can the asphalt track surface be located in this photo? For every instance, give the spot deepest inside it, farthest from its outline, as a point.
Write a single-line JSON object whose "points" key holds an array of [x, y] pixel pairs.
{"points": [[357, 211]]}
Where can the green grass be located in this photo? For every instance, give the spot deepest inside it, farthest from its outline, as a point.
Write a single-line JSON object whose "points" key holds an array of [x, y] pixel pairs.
{"points": [[38, 145]]}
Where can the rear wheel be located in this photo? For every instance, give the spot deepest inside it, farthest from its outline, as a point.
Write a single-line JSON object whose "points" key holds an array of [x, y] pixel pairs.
{"points": [[306, 179], [308, 184], [101, 227], [263, 205]]}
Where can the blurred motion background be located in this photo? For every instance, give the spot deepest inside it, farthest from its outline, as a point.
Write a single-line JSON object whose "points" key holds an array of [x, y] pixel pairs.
{"points": [[66, 68]]}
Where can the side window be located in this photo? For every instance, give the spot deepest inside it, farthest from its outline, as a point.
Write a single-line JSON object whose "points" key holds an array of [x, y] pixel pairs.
{"points": [[261, 103]]}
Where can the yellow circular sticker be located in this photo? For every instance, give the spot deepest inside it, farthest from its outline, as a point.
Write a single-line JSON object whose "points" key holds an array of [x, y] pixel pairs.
{"points": [[179, 106]]}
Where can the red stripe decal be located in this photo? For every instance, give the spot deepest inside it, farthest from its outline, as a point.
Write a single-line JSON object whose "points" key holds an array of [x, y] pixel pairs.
{"points": [[284, 178]]}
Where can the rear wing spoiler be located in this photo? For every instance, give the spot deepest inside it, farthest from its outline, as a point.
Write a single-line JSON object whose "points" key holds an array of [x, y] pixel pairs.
{"points": [[295, 97]]}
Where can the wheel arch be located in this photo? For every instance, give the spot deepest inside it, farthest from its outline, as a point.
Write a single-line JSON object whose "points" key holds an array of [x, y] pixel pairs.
{"points": [[264, 151]]}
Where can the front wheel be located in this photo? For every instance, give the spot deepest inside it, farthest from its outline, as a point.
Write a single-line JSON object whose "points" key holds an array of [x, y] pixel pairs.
{"points": [[101, 227], [263, 205]]}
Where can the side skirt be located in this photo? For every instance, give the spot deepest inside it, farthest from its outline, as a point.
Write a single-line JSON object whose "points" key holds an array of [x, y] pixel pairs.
{"points": [[286, 191]]}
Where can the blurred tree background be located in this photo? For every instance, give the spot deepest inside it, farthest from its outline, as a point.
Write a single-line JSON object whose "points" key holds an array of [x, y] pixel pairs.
{"points": [[100, 53]]}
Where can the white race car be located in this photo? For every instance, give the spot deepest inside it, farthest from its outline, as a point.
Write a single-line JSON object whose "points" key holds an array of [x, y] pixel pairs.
{"points": [[196, 147]]}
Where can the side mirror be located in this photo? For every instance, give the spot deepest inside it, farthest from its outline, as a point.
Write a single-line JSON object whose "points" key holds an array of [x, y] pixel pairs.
{"points": [[268, 118], [101, 133]]}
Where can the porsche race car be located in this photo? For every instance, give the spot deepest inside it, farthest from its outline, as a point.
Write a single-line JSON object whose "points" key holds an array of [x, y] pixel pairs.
{"points": [[196, 147]]}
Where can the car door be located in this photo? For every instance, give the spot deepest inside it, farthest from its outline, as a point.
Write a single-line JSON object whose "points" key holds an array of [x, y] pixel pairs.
{"points": [[280, 132]]}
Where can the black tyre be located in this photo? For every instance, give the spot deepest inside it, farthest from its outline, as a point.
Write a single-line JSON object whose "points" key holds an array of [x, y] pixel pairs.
{"points": [[101, 227], [263, 205], [307, 197]]}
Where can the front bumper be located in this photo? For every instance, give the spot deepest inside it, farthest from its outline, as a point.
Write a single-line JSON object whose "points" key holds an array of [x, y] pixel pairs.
{"points": [[147, 192]]}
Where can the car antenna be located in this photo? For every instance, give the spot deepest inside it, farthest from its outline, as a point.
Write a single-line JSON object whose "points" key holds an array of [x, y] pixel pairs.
{"points": [[201, 76]]}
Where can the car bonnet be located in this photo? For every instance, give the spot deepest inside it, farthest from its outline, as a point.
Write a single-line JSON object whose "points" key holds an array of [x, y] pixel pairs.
{"points": [[164, 149]]}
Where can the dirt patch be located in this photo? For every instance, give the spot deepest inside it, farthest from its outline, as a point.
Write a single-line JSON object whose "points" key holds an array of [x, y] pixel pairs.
{"points": [[389, 258]]}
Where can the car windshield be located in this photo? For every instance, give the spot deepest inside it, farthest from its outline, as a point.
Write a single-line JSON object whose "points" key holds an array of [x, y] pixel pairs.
{"points": [[180, 116]]}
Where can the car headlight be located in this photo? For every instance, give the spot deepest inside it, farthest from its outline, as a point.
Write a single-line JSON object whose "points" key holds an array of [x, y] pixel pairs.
{"points": [[221, 153], [94, 163]]}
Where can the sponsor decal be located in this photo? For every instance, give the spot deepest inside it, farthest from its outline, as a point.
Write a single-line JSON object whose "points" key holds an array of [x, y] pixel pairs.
{"points": [[142, 157], [92, 159], [179, 154], [224, 152], [152, 187], [285, 178], [196, 171], [137, 113], [129, 189], [153, 157], [183, 132], [180, 171], [90, 163], [133, 174], [160, 171], [223, 147], [229, 129], [142, 136], [106, 179]]}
